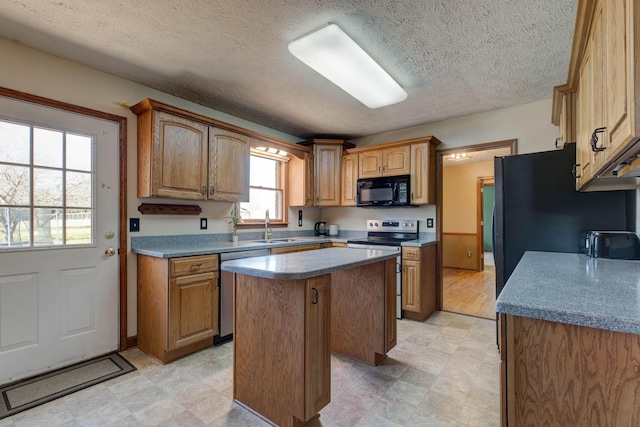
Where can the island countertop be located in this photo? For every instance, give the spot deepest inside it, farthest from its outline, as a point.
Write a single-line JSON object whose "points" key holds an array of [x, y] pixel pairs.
{"points": [[575, 289], [304, 265]]}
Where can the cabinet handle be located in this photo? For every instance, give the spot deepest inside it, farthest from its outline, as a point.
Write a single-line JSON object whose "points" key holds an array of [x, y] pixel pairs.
{"points": [[411, 196], [204, 190], [574, 170], [212, 190], [594, 140], [315, 296], [196, 265]]}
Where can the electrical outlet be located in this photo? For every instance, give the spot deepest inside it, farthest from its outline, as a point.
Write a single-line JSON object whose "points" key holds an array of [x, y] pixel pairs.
{"points": [[203, 223], [134, 225], [429, 222]]}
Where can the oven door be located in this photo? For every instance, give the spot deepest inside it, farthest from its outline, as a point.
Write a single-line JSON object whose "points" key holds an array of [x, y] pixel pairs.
{"points": [[399, 312], [376, 192]]}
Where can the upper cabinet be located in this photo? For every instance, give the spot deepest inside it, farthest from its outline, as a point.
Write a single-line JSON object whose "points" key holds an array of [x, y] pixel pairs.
{"points": [[605, 80], [183, 155], [228, 166], [172, 156], [384, 162], [327, 155], [414, 157]]}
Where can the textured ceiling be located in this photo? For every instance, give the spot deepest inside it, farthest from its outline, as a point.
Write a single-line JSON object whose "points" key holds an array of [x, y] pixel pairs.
{"points": [[453, 57]]}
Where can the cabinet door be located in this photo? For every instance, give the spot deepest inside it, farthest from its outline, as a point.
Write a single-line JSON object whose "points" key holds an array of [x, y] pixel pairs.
{"points": [[228, 166], [411, 285], [328, 161], [395, 161], [598, 81], [370, 164], [193, 309], [349, 179], [301, 180], [317, 344], [422, 181], [620, 69], [179, 165], [584, 121]]}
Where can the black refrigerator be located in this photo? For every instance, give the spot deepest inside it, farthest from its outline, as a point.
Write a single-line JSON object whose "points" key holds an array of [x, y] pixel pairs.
{"points": [[538, 209]]}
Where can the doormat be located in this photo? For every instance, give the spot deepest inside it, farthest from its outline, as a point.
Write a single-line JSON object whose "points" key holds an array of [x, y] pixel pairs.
{"points": [[34, 391]]}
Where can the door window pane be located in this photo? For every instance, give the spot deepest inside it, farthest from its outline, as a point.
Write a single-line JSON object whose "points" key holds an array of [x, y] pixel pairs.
{"points": [[78, 226], [15, 185], [14, 143], [15, 227], [79, 152], [47, 148], [47, 187], [48, 227], [78, 189]]}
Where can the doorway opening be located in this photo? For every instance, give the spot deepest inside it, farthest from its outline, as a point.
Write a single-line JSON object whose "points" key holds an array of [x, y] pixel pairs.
{"points": [[466, 274]]}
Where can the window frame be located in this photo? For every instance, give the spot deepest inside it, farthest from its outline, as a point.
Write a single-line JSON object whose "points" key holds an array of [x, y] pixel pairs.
{"points": [[283, 180], [64, 206]]}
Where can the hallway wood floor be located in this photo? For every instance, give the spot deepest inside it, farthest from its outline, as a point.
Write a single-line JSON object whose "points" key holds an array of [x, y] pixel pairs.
{"points": [[470, 292]]}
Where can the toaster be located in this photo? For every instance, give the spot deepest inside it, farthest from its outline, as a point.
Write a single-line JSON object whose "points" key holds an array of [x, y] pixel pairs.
{"points": [[612, 244]]}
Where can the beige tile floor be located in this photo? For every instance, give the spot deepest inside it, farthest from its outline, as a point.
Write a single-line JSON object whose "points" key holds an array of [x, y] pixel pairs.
{"points": [[444, 372]]}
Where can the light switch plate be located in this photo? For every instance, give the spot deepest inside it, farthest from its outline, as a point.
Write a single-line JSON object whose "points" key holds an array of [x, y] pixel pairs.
{"points": [[429, 222], [203, 223], [134, 225]]}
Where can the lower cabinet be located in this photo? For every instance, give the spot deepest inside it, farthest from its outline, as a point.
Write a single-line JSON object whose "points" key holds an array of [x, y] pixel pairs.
{"points": [[282, 357], [556, 374], [419, 282], [177, 305]]}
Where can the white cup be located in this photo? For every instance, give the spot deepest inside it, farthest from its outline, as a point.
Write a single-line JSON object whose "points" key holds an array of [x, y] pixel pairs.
{"points": [[333, 230]]}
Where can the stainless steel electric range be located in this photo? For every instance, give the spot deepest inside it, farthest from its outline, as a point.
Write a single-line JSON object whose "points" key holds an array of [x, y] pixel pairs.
{"points": [[388, 234]]}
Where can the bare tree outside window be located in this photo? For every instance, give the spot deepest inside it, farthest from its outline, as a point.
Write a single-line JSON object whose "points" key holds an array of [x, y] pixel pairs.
{"points": [[46, 187]]}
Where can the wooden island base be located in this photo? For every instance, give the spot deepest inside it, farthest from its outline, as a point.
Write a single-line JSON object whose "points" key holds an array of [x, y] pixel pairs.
{"points": [[284, 331]]}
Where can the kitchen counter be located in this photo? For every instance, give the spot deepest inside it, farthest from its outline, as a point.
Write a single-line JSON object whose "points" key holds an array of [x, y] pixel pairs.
{"points": [[303, 265], [575, 289], [179, 246]]}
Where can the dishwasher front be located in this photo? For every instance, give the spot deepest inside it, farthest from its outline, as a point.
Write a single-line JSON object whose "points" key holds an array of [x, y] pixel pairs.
{"points": [[226, 293]]}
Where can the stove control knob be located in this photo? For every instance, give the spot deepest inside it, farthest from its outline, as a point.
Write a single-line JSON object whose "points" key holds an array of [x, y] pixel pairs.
{"points": [[370, 224], [406, 224]]}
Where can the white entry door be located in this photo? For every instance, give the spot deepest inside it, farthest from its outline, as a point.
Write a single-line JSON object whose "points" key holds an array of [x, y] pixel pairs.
{"points": [[58, 221]]}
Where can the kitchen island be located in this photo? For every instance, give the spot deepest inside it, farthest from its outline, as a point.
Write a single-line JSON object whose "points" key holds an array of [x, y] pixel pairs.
{"points": [[570, 341], [292, 310]]}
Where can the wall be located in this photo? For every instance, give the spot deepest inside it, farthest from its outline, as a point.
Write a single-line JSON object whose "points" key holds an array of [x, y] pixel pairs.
{"points": [[459, 194], [529, 123], [32, 71]]}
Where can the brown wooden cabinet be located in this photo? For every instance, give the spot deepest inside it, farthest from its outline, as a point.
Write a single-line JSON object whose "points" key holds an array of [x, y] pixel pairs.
{"points": [[172, 155], [327, 169], [384, 162], [282, 362], [349, 179], [301, 184], [177, 305], [181, 156], [605, 77], [419, 282], [556, 374], [423, 176], [228, 166]]}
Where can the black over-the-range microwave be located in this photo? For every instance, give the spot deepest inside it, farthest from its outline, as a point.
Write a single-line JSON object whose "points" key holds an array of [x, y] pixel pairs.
{"points": [[383, 191]]}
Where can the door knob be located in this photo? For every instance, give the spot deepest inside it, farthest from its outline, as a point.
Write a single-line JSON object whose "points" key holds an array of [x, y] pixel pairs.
{"points": [[110, 252]]}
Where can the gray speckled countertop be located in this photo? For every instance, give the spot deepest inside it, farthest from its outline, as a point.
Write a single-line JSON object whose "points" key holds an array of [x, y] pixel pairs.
{"points": [[575, 289], [179, 246], [303, 265]]}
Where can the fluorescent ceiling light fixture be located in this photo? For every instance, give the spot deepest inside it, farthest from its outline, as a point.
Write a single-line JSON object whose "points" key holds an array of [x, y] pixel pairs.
{"points": [[333, 54]]}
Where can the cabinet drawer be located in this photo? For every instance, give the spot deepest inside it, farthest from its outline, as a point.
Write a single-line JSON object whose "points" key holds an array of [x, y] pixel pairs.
{"points": [[411, 253], [192, 265]]}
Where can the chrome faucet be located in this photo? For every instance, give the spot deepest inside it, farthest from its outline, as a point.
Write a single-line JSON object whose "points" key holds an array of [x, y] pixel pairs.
{"points": [[267, 230]]}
